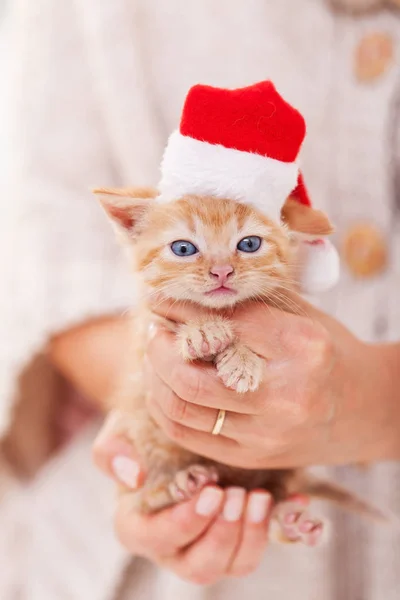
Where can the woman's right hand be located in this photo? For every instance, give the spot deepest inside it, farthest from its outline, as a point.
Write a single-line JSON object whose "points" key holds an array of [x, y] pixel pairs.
{"points": [[217, 534]]}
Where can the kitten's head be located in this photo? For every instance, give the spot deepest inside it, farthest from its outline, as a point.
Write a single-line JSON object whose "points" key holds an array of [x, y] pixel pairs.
{"points": [[210, 251]]}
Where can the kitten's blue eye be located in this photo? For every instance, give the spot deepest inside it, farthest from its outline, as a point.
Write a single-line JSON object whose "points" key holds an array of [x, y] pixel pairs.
{"points": [[249, 244], [183, 248]]}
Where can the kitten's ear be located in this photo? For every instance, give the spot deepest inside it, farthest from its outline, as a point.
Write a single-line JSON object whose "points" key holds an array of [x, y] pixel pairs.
{"points": [[126, 207], [305, 219]]}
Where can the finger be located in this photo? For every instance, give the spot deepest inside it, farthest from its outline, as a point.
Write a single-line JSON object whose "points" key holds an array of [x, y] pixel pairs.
{"points": [[219, 447], [195, 383], [162, 400], [254, 534], [199, 442], [114, 453], [209, 558], [165, 533]]}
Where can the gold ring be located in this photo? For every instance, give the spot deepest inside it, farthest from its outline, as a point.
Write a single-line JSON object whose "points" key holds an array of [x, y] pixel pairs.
{"points": [[219, 423]]}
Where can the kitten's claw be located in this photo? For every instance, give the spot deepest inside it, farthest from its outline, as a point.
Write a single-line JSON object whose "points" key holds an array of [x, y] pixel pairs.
{"points": [[184, 485], [297, 525], [239, 368], [204, 340]]}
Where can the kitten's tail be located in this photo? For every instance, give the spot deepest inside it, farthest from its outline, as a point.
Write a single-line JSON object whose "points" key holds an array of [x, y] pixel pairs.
{"points": [[325, 490]]}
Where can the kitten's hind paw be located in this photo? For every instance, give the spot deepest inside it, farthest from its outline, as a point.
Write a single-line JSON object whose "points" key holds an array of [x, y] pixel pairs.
{"points": [[297, 525], [239, 368], [184, 485], [204, 340]]}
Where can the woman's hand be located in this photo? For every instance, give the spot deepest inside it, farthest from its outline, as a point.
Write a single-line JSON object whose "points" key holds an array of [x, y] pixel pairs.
{"points": [[218, 533], [326, 397]]}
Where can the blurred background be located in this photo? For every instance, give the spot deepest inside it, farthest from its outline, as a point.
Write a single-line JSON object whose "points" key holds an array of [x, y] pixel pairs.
{"points": [[4, 31]]}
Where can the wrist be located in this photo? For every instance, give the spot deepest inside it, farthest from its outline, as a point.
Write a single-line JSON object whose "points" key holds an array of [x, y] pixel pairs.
{"points": [[90, 356], [381, 379]]}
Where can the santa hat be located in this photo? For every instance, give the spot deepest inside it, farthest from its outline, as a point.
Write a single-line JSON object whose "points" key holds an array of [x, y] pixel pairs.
{"points": [[239, 144]]}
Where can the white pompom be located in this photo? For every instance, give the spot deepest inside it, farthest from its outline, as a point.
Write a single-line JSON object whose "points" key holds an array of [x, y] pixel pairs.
{"points": [[319, 266]]}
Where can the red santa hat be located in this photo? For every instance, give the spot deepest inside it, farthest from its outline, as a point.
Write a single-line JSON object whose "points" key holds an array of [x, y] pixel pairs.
{"points": [[239, 144]]}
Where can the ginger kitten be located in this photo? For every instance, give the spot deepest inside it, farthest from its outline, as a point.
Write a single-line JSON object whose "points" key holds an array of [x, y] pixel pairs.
{"points": [[215, 253]]}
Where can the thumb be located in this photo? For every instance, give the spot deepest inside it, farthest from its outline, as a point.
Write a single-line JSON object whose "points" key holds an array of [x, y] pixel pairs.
{"points": [[114, 453], [282, 330]]}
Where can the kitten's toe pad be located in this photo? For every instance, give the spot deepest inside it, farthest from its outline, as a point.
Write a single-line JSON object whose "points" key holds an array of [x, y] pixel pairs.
{"points": [[204, 340], [239, 368], [297, 525], [183, 486], [191, 480]]}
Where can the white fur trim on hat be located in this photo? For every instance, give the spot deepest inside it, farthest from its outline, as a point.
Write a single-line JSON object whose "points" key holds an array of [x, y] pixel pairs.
{"points": [[194, 167]]}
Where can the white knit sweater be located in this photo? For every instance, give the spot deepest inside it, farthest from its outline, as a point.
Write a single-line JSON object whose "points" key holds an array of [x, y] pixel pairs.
{"points": [[95, 88]]}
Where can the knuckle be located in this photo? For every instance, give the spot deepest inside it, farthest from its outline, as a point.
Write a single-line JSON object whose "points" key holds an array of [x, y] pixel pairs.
{"points": [[320, 347], [299, 337], [174, 430], [174, 407], [186, 382], [275, 446], [309, 339]]}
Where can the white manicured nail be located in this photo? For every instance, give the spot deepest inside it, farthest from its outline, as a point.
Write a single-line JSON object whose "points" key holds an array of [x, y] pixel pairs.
{"points": [[258, 507], [209, 501], [126, 470], [234, 504]]}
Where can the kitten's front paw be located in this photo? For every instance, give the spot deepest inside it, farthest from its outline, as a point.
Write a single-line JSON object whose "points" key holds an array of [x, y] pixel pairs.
{"points": [[239, 368], [184, 485], [204, 339]]}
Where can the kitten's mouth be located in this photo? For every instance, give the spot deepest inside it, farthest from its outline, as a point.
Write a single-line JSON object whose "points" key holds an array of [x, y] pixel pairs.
{"points": [[221, 290]]}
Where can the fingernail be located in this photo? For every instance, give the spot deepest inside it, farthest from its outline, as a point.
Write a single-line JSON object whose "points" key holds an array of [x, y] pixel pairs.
{"points": [[152, 329], [126, 470], [258, 507], [234, 504], [209, 501]]}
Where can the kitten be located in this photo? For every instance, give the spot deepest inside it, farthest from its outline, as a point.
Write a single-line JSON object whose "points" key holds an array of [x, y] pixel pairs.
{"points": [[215, 253]]}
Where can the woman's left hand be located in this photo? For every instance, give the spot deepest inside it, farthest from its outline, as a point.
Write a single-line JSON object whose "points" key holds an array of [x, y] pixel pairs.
{"points": [[326, 397]]}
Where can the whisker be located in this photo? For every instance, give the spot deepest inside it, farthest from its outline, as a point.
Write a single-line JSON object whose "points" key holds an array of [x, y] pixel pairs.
{"points": [[275, 293], [292, 306]]}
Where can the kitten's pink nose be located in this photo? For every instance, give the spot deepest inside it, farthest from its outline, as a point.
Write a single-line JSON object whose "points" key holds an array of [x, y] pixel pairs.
{"points": [[221, 272]]}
